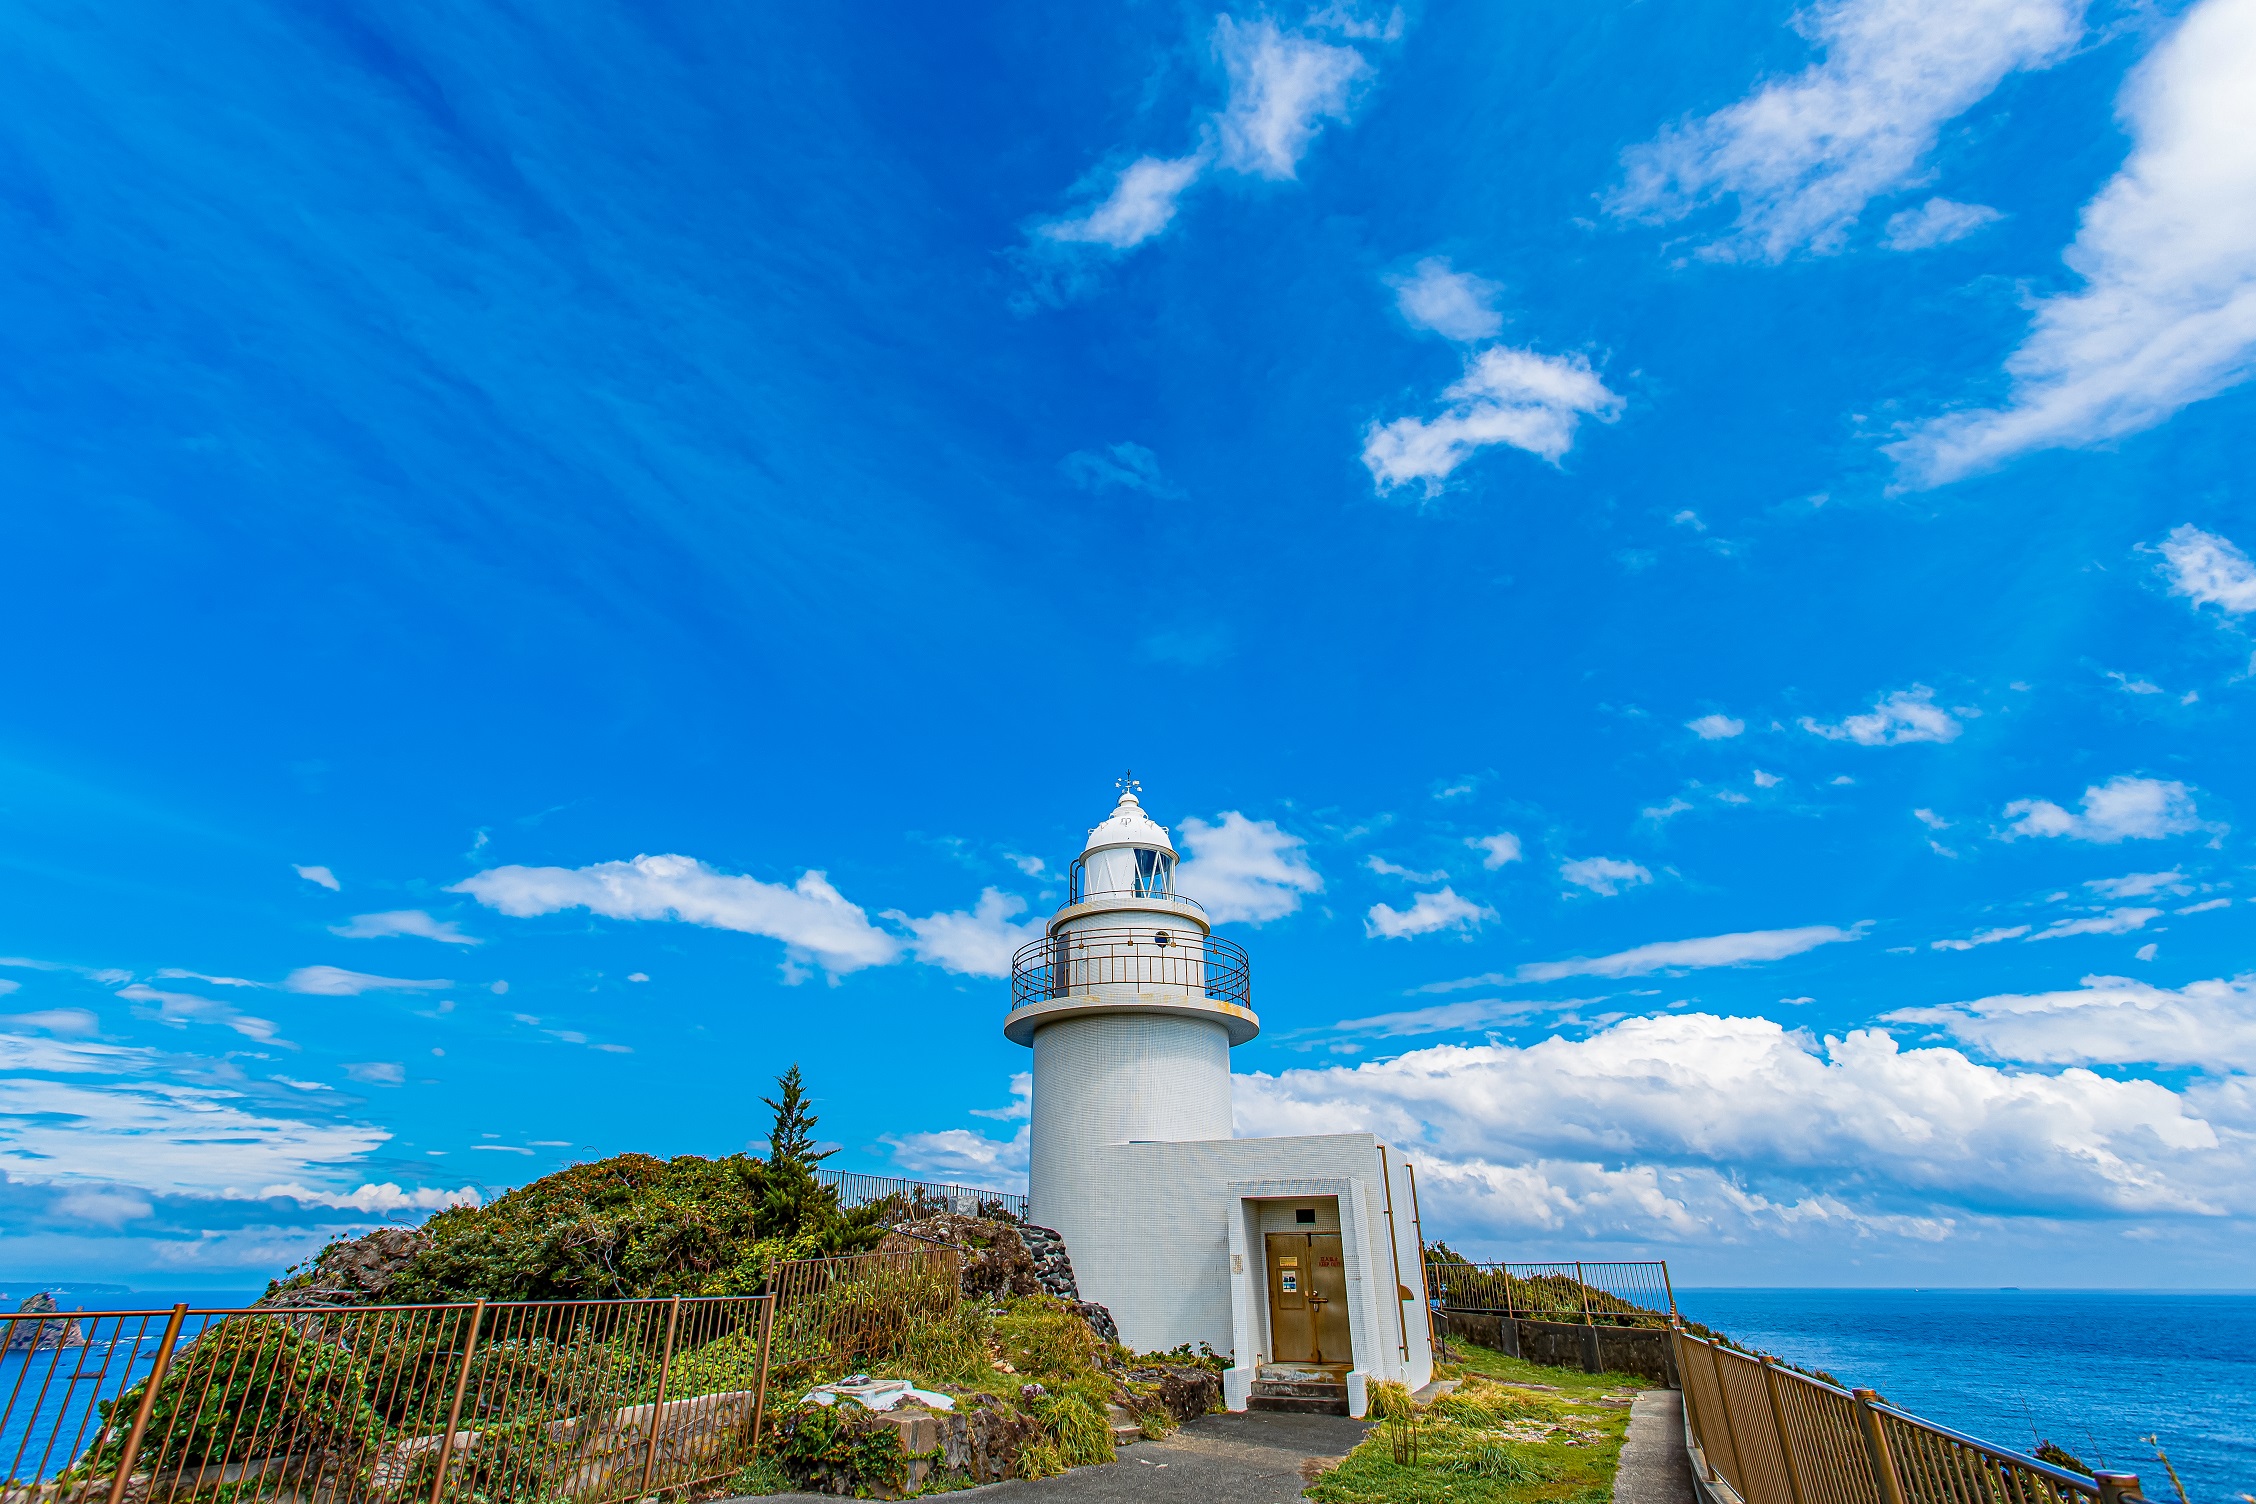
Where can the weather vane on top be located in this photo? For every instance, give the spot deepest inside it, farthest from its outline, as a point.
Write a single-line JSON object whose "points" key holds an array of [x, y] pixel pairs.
{"points": [[1127, 783]]}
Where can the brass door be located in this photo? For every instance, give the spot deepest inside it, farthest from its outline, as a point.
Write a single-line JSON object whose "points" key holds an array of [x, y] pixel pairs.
{"points": [[1308, 1299]]}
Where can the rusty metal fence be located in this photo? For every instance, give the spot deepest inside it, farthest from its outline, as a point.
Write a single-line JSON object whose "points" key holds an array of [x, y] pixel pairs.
{"points": [[1762, 1433], [585, 1401], [1589, 1294]]}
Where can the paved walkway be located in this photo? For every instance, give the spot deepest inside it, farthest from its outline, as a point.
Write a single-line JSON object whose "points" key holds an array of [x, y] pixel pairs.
{"points": [[1216, 1459], [1269, 1459], [1654, 1467]]}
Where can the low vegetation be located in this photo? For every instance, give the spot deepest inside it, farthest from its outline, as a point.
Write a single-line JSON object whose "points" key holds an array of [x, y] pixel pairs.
{"points": [[1509, 1433]]}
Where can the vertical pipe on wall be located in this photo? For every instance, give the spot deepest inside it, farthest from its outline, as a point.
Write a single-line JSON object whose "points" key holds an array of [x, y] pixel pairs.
{"points": [[1394, 1249], [1425, 1295]]}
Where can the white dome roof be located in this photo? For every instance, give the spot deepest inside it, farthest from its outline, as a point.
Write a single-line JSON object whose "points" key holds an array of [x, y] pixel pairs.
{"points": [[1128, 825]]}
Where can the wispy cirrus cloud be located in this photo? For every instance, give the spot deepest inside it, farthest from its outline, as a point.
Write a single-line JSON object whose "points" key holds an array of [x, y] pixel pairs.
{"points": [[413, 922], [2166, 315], [1744, 948], [1804, 155], [336, 981], [812, 918]]}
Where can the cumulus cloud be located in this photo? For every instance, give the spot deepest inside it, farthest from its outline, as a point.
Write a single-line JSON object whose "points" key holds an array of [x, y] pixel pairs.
{"points": [[1604, 874], [1496, 850], [1855, 1121], [1453, 304], [374, 1200], [812, 918], [979, 943], [320, 875], [103, 1207], [1937, 222], [2167, 252], [1804, 155], [1428, 913], [958, 1153], [2208, 1026], [1715, 728], [403, 922], [1283, 84], [1512, 397], [2122, 809], [335, 981], [1908, 715], [2209, 570], [1245, 869]]}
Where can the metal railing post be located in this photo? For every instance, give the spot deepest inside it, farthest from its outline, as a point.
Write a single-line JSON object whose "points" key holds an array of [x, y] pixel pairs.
{"points": [[461, 1387], [148, 1401], [2118, 1488], [760, 1384], [658, 1407], [1731, 1426], [1876, 1448], [1668, 1289], [1425, 1281], [1394, 1247], [1778, 1424], [1585, 1286]]}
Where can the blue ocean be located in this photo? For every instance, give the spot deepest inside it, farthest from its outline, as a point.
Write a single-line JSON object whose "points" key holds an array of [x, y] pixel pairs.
{"points": [[2095, 1371]]}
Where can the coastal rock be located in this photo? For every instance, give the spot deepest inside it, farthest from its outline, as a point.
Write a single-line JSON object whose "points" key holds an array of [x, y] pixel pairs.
{"points": [[1003, 1259], [43, 1336], [354, 1271]]}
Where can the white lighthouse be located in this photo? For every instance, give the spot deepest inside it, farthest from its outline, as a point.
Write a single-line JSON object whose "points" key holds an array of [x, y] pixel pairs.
{"points": [[1299, 1256]]}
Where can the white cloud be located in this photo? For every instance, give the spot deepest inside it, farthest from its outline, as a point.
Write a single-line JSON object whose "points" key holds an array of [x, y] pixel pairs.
{"points": [[811, 917], [1767, 780], [377, 1072], [1930, 819], [55, 1020], [2167, 254], [1983, 937], [1021, 1105], [1908, 715], [2139, 884], [1689, 955], [1855, 1123], [1385, 868], [1281, 85], [1442, 1018], [2209, 570], [2122, 809], [2210, 1026], [1937, 222], [181, 1009], [321, 875], [1603, 874], [2131, 686], [335, 981], [1430, 912], [979, 943], [2114, 922], [412, 922], [1661, 813], [103, 1207], [1806, 154], [1245, 869], [161, 1136], [1141, 204], [962, 1156], [1496, 850], [1716, 727], [376, 1200], [2204, 907], [1515, 397], [1455, 305]]}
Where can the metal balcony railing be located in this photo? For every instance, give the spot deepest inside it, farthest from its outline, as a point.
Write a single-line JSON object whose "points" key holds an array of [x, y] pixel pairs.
{"points": [[1095, 961]]}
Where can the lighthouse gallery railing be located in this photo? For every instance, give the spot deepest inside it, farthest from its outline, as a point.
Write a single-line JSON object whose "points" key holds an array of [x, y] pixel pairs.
{"points": [[1078, 960]]}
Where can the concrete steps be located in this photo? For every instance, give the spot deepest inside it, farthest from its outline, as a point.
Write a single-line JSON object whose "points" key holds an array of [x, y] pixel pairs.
{"points": [[1298, 1389]]}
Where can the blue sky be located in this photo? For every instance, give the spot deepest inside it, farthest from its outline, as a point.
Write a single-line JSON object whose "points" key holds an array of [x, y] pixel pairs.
{"points": [[1682, 575]]}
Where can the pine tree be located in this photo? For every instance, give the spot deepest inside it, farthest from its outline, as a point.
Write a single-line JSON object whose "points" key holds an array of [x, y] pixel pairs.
{"points": [[791, 1142], [793, 1204]]}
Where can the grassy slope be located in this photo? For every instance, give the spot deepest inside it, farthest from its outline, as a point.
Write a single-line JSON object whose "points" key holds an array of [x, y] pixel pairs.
{"points": [[1512, 1433]]}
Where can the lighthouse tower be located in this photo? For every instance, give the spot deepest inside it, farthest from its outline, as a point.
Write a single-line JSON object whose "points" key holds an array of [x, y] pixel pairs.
{"points": [[1131, 1004], [1299, 1256]]}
